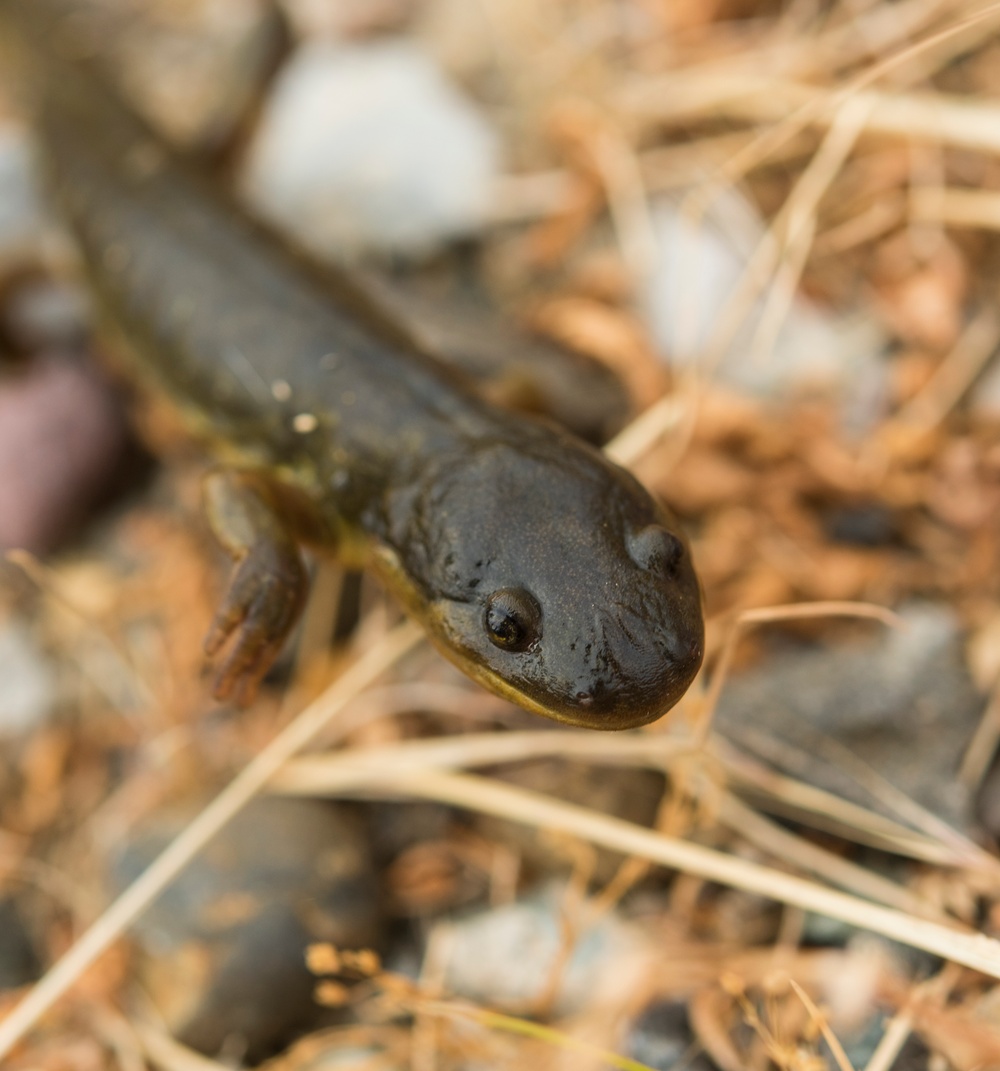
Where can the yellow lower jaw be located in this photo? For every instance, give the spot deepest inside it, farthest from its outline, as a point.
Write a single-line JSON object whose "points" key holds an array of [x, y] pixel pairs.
{"points": [[395, 578]]}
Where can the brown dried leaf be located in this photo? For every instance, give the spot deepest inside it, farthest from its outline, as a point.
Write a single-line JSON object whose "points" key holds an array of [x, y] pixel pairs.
{"points": [[923, 302]]}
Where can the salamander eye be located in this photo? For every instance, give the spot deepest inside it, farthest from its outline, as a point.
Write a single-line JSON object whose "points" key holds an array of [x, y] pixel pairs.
{"points": [[656, 548], [513, 619]]}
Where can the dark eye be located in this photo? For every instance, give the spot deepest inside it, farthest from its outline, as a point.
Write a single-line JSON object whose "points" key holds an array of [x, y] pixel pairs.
{"points": [[513, 619], [657, 549]]}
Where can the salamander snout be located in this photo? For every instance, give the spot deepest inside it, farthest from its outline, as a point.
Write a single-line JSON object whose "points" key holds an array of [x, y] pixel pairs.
{"points": [[558, 582]]}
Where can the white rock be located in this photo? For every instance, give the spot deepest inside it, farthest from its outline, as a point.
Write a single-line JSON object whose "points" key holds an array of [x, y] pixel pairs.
{"points": [[505, 957], [21, 216], [29, 689], [699, 267], [368, 147]]}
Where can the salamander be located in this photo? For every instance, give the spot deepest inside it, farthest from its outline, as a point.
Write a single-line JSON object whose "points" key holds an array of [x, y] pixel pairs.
{"points": [[537, 566]]}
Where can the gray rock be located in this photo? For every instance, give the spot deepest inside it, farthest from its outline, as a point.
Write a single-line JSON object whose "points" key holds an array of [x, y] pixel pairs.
{"points": [[30, 689], [368, 147], [860, 1045], [21, 214], [223, 949], [662, 1039], [901, 701], [505, 957], [698, 268], [19, 962], [62, 435], [44, 312]]}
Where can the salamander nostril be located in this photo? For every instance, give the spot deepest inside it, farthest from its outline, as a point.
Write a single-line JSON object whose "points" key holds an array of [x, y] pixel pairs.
{"points": [[655, 548]]}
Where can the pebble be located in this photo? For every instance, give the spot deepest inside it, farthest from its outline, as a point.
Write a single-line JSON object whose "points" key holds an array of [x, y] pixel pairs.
{"points": [[863, 524], [30, 689], [22, 219], [62, 432], [368, 148], [43, 312], [223, 950], [505, 957], [661, 1039], [698, 268], [901, 700], [860, 1045], [19, 962]]}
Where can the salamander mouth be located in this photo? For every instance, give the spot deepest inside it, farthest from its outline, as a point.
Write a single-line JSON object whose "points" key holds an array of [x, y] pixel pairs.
{"points": [[632, 684], [602, 708], [630, 691]]}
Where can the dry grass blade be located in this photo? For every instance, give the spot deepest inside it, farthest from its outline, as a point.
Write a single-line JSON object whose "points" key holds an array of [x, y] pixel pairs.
{"points": [[782, 795], [511, 1024], [319, 773], [489, 749], [973, 950], [780, 255], [627, 202], [900, 1026], [213, 818], [639, 437], [520, 198], [820, 1019], [689, 95], [706, 92], [804, 855], [798, 220], [957, 207], [983, 745], [882, 216], [323, 775], [754, 98], [956, 373], [48, 583], [902, 804], [881, 28], [962, 851], [672, 167], [891, 1043]]}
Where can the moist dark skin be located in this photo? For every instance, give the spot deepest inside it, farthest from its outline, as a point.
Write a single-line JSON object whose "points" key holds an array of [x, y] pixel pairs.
{"points": [[537, 566]]}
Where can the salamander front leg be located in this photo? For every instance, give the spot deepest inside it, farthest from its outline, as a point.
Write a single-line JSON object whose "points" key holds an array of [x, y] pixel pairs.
{"points": [[268, 585]]}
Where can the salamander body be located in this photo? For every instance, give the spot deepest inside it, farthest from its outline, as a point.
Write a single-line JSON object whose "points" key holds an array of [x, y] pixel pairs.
{"points": [[535, 564]]}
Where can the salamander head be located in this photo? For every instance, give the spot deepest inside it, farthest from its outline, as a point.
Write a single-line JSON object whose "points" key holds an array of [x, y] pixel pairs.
{"points": [[553, 578]]}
